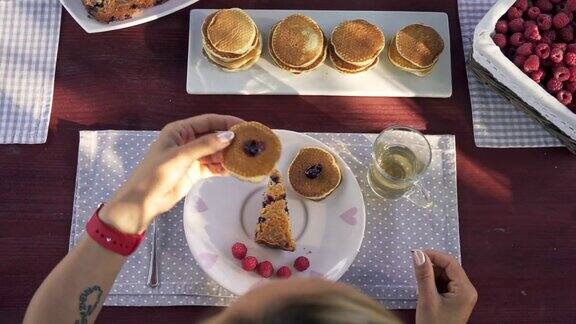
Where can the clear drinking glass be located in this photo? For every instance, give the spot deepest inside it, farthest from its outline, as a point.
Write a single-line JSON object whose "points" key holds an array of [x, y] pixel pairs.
{"points": [[401, 155]]}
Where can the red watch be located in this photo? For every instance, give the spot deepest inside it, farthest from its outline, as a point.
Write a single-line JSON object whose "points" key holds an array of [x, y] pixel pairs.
{"points": [[111, 239]]}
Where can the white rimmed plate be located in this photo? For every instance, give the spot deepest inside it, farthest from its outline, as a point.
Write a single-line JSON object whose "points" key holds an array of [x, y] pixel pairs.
{"points": [[219, 211], [78, 12]]}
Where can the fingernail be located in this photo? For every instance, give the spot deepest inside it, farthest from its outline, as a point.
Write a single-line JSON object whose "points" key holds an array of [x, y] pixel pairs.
{"points": [[225, 137], [419, 257]]}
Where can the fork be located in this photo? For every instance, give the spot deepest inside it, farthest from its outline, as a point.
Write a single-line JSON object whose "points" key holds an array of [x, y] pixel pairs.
{"points": [[153, 267]]}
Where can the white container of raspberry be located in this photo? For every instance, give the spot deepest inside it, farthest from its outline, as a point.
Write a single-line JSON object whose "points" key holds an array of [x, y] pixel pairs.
{"points": [[491, 58]]}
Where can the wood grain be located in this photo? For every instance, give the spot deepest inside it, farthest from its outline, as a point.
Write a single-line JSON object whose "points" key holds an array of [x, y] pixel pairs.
{"points": [[517, 206]]}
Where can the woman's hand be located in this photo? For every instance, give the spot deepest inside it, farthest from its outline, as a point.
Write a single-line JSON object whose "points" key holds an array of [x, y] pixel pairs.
{"points": [[185, 151], [445, 294]]}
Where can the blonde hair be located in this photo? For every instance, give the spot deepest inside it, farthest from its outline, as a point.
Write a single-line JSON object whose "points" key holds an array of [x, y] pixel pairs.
{"points": [[333, 308]]}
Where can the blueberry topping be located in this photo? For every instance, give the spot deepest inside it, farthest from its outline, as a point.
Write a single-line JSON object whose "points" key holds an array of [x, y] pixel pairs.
{"points": [[268, 201], [253, 148], [275, 179], [314, 171], [261, 220]]}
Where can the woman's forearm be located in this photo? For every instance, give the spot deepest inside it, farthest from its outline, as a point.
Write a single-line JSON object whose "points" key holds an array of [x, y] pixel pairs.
{"points": [[75, 290]]}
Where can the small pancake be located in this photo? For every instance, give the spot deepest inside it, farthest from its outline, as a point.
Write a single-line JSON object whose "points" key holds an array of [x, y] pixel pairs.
{"points": [[253, 153], [397, 60], [297, 41], [324, 182], [273, 228], [357, 42], [348, 68], [238, 64], [419, 44], [231, 31], [222, 56], [295, 70]]}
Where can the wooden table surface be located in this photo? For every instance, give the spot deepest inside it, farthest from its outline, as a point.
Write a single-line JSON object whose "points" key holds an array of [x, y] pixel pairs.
{"points": [[517, 206]]}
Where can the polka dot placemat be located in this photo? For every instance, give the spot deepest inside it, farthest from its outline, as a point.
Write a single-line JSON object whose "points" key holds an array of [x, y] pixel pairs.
{"points": [[383, 266]]}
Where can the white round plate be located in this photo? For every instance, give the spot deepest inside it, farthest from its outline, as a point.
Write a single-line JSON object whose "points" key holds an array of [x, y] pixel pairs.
{"points": [[220, 211]]}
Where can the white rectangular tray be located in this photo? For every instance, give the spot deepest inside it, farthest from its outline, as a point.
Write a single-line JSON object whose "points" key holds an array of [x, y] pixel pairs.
{"points": [[265, 78]]}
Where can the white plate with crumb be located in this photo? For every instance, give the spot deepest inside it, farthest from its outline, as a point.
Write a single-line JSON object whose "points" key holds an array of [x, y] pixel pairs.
{"points": [[80, 14], [220, 211], [265, 78]]}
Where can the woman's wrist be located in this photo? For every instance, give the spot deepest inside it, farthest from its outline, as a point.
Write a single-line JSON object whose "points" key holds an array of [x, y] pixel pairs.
{"points": [[124, 216]]}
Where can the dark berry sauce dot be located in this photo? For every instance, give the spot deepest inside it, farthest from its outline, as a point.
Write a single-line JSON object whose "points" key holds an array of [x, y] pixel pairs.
{"points": [[253, 148], [275, 179], [313, 171], [261, 220]]}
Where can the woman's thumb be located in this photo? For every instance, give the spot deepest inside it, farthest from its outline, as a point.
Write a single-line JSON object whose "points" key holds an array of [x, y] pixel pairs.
{"points": [[424, 273], [207, 145]]}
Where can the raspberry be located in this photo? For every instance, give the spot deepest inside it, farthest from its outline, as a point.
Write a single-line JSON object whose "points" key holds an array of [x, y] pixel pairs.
{"points": [[510, 52], [544, 21], [542, 50], [570, 59], [560, 20], [567, 33], [561, 74], [570, 5], [564, 97], [239, 250], [526, 49], [516, 25], [544, 5], [283, 272], [571, 48], [514, 13], [561, 46], [532, 64], [533, 13], [572, 74], [521, 4], [538, 76], [502, 27], [570, 86], [519, 61], [555, 1], [517, 39], [554, 85], [568, 13], [532, 33], [499, 40], [265, 269], [548, 36], [301, 263], [249, 263], [556, 55]]}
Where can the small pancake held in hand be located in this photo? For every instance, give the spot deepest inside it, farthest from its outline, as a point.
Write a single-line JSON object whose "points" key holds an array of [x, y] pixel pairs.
{"points": [[314, 173], [253, 153]]}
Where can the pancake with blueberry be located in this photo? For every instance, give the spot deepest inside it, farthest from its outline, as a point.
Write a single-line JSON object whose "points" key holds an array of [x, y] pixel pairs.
{"points": [[273, 228], [314, 173], [253, 153]]}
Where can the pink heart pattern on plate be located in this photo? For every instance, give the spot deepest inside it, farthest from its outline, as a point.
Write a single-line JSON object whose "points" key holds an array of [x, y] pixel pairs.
{"points": [[349, 216], [201, 205], [207, 260]]}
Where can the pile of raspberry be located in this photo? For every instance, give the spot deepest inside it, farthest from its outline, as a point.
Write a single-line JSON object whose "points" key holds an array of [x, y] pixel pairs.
{"points": [[265, 268], [538, 36]]}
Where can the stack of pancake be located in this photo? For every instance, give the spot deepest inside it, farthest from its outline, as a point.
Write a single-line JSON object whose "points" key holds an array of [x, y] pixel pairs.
{"points": [[231, 40], [355, 46], [297, 44], [416, 49]]}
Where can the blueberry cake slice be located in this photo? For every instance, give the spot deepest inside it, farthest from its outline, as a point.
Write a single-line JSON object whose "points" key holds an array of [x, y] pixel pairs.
{"points": [[273, 228], [115, 10]]}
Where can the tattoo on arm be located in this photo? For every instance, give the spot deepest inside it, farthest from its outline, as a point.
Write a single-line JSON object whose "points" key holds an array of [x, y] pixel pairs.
{"points": [[88, 302]]}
